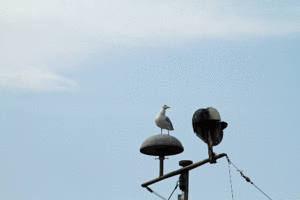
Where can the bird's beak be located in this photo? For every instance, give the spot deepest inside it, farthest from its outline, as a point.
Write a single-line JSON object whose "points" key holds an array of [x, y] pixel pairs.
{"points": [[168, 107]]}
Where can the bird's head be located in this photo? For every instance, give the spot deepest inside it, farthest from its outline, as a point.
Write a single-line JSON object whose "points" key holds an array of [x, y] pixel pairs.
{"points": [[165, 107]]}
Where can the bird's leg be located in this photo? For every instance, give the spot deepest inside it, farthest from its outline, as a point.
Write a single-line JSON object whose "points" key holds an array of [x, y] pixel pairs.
{"points": [[161, 131], [168, 132]]}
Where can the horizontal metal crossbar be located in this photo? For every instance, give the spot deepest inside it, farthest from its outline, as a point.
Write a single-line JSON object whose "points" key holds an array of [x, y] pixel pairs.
{"points": [[182, 170]]}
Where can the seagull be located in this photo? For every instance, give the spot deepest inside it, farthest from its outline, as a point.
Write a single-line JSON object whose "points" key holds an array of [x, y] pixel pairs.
{"points": [[163, 121]]}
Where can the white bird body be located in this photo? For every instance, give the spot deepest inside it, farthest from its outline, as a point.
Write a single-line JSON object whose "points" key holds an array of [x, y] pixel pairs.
{"points": [[162, 121]]}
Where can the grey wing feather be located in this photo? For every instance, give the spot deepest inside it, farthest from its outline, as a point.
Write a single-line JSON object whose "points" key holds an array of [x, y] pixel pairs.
{"points": [[169, 121]]}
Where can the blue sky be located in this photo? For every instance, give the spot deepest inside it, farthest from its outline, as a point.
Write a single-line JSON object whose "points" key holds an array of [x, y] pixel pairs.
{"points": [[82, 81]]}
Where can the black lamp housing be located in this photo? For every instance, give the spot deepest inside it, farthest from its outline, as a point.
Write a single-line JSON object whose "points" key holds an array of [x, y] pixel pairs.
{"points": [[208, 119]]}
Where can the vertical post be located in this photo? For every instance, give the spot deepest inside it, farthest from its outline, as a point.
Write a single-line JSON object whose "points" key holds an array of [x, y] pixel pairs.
{"points": [[184, 180], [185, 192], [161, 165]]}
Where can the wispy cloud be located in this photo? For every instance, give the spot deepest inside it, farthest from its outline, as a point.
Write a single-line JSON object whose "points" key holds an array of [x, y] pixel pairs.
{"points": [[37, 30], [34, 78]]}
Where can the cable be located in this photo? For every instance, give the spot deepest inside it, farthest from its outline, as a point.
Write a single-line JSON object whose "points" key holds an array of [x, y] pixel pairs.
{"points": [[245, 177], [230, 176], [150, 190], [174, 190], [261, 190]]}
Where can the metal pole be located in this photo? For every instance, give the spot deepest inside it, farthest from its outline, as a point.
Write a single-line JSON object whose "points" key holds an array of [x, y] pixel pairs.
{"points": [[180, 171], [185, 192], [210, 148], [161, 165], [184, 179]]}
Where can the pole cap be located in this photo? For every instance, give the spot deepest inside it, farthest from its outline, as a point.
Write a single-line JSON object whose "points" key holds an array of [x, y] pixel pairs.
{"points": [[184, 163]]}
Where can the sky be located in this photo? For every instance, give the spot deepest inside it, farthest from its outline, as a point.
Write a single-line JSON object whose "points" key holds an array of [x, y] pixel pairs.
{"points": [[81, 83]]}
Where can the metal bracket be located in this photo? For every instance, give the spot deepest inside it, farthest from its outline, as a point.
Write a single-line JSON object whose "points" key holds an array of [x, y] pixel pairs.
{"points": [[211, 153]]}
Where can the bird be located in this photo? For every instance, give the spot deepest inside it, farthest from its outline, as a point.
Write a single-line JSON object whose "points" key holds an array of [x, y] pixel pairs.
{"points": [[163, 121]]}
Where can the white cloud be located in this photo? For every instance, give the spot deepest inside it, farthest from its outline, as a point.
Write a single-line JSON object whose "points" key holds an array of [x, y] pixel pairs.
{"points": [[36, 29], [34, 78]]}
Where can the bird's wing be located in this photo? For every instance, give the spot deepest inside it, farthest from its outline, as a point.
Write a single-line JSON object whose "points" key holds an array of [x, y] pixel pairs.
{"points": [[169, 121]]}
